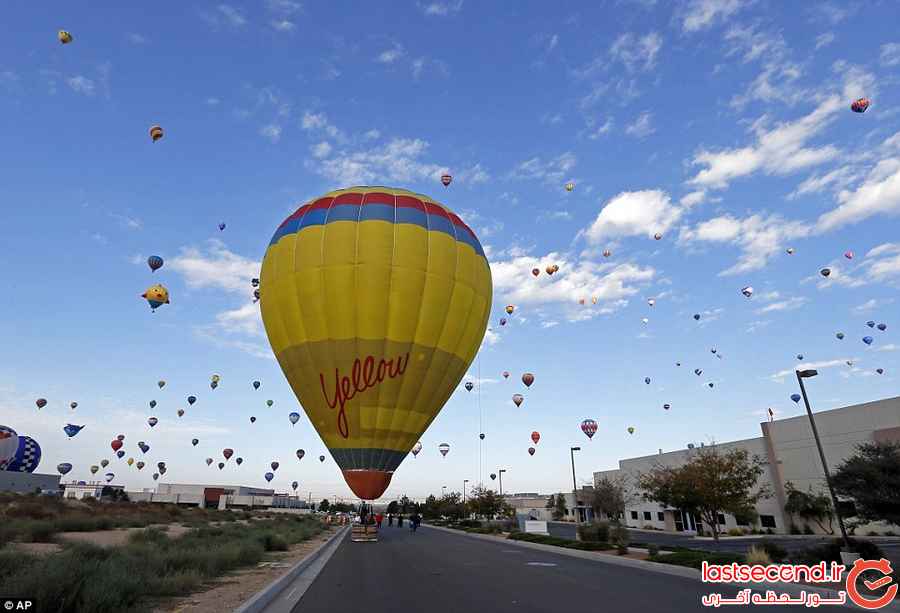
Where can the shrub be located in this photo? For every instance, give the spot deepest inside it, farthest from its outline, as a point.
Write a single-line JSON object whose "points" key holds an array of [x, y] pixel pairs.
{"points": [[694, 559], [776, 552], [149, 536], [735, 532], [469, 523], [587, 545], [794, 529], [273, 542], [653, 550], [831, 552], [807, 529], [37, 531], [871, 533], [620, 537], [758, 555], [621, 549], [596, 532]]}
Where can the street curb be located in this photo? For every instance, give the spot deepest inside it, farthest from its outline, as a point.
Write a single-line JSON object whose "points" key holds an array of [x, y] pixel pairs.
{"points": [[263, 598], [667, 569]]}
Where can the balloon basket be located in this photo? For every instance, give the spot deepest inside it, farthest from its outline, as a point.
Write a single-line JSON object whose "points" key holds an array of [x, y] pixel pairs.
{"points": [[360, 533]]}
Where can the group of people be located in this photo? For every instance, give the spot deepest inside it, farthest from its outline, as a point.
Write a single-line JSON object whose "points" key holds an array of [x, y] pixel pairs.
{"points": [[414, 520]]}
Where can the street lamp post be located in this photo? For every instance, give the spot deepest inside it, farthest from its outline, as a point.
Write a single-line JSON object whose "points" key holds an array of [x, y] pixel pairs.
{"points": [[501, 471], [806, 374], [572, 451], [464, 490]]}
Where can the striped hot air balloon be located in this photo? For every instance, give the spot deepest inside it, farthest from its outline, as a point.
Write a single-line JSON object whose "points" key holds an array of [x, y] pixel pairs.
{"points": [[376, 302]]}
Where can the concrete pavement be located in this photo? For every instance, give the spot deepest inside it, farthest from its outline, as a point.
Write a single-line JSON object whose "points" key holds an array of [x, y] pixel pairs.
{"points": [[443, 572]]}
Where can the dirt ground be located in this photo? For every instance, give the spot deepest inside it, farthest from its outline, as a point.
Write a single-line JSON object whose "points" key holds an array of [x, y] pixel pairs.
{"points": [[231, 591], [115, 538]]}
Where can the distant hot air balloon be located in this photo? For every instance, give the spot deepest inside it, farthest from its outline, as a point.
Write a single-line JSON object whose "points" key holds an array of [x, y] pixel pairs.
{"points": [[825, 272], [94, 469], [155, 476], [120, 437], [209, 461], [274, 465], [481, 436], [607, 253], [531, 451], [221, 226], [882, 327], [789, 251], [294, 485], [698, 371], [191, 399], [300, 453], [269, 477], [252, 419], [64, 37], [536, 271], [870, 323], [104, 463], [140, 465], [630, 429], [747, 291], [41, 403], [505, 374], [589, 427], [696, 316], [161, 383], [156, 296], [667, 406], [502, 321], [657, 236], [570, 186], [446, 179], [120, 453], [180, 412], [154, 262], [509, 309], [469, 386], [647, 380], [152, 404], [195, 441], [321, 458], [880, 371], [227, 453], [444, 448], [535, 437], [144, 447], [73, 405], [868, 340], [528, 379], [109, 477], [651, 301], [840, 336], [518, 399], [116, 444], [493, 476], [269, 403], [799, 356], [239, 460], [796, 397], [156, 133], [848, 254], [294, 417], [71, 429], [859, 105], [221, 465], [130, 461], [711, 384], [645, 321], [152, 421], [9, 445], [256, 385], [549, 269]]}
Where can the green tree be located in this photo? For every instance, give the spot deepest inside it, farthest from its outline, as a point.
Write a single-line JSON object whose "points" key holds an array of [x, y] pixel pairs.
{"points": [[709, 484], [486, 503], [871, 478], [324, 505], [431, 509], [392, 507], [610, 497], [559, 507], [451, 505], [405, 505], [809, 507]]}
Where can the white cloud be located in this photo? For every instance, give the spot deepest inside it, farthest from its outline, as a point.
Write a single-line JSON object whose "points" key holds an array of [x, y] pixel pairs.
{"points": [[780, 375], [243, 320], [321, 150], [283, 25], [389, 56], [883, 262], [758, 237], [272, 132], [838, 178], [232, 15], [472, 175], [318, 122], [551, 45], [871, 305], [372, 134], [549, 323], [785, 305], [136, 39], [636, 53], [753, 44], [888, 347], [693, 198], [283, 7], [217, 267], [601, 130], [701, 14], [777, 151], [424, 65], [126, 221], [81, 85], [879, 193], [634, 214], [398, 160], [642, 126], [440, 9], [221, 338], [100, 238], [212, 101], [890, 54], [824, 39], [553, 171], [834, 13]]}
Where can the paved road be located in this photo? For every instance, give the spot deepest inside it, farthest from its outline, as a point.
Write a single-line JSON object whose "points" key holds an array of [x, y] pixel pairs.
{"points": [[442, 572]]}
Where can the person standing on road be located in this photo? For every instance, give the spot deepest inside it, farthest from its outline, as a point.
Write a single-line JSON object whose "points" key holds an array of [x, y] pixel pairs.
{"points": [[414, 521], [378, 519], [399, 521]]}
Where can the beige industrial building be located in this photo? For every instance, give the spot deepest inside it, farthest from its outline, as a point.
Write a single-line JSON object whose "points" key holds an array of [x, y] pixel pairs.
{"points": [[218, 496], [788, 452]]}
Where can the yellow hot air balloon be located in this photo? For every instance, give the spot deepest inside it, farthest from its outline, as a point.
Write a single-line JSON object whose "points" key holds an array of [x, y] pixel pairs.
{"points": [[156, 296], [570, 186], [377, 300], [509, 309], [130, 461], [64, 37]]}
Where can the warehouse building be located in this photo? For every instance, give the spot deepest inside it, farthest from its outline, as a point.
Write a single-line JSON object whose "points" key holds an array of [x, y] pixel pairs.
{"points": [[218, 496], [28, 483], [788, 453]]}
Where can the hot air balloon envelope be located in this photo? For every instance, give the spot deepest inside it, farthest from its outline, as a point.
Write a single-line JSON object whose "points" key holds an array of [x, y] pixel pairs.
{"points": [[531, 451], [528, 379], [868, 340], [535, 437], [269, 477], [444, 448], [796, 397], [377, 301], [859, 105], [294, 417], [71, 429], [154, 262], [63, 468], [589, 427]]}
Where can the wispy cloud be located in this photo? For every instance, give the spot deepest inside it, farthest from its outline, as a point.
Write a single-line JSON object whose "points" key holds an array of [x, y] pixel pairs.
{"points": [[136, 39], [389, 56], [271, 132], [790, 304], [215, 267], [81, 85], [642, 126], [824, 39], [641, 213], [890, 54], [127, 221], [702, 14], [552, 171], [440, 9], [872, 304], [781, 374]]}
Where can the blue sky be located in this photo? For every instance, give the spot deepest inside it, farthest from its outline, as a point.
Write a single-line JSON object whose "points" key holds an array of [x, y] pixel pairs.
{"points": [[722, 124]]}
